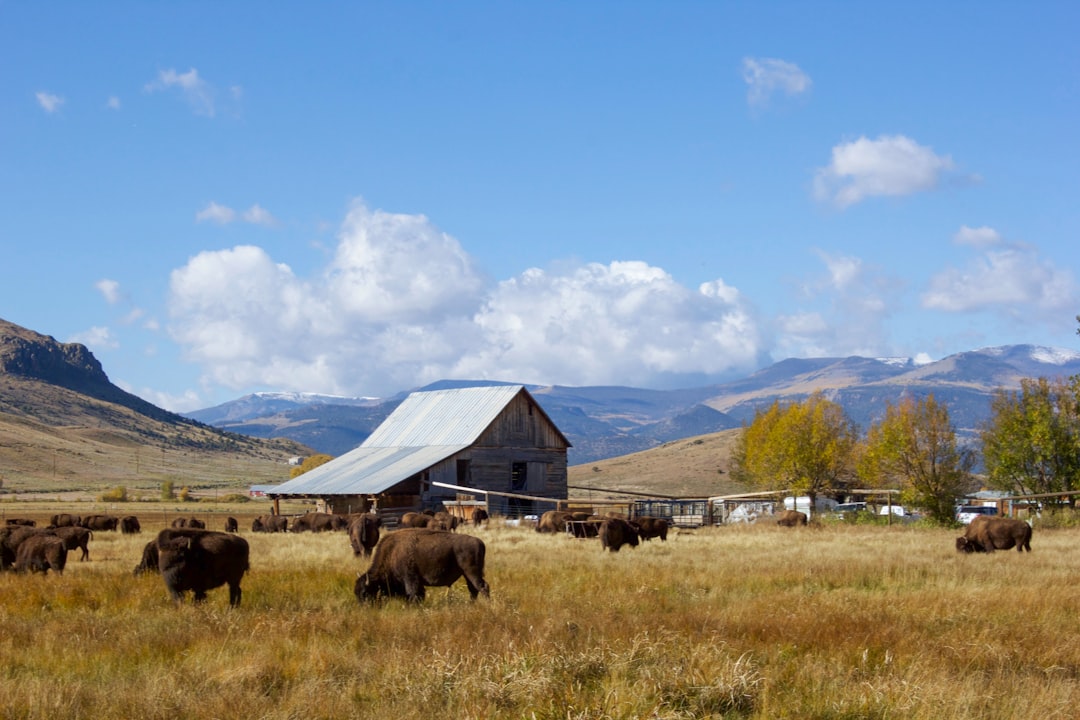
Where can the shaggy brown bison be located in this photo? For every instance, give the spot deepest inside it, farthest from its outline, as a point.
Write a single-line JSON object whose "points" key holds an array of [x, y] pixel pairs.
{"points": [[65, 520], [231, 525], [74, 537], [415, 520], [479, 516], [364, 533], [616, 532], [11, 537], [650, 527], [201, 560], [106, 523], [129, 525], [987, 534], [149, 561], [791, 518], [270, 524], [318, 522], [586, 528], [25, 522], [406, 561], [40, 553], [553, 521]]}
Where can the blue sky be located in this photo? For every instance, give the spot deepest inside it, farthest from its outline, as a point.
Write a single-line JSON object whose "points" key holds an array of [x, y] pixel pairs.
{"points": [[360, 198]]}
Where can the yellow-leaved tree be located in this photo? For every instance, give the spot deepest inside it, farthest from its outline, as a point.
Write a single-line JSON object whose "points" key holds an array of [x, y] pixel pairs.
{"points": [[310, 463], [807, 447]]}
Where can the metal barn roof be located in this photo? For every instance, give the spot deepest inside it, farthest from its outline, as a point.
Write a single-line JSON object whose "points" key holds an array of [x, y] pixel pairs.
{"points": [[425, 429]]}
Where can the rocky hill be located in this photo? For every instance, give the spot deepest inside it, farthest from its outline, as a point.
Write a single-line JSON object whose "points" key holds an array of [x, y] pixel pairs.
{"points": [[63, 425]]}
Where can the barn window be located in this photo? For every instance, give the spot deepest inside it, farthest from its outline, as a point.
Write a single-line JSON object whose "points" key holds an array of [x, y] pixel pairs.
{"points": [[463, 472], [519, 476]]}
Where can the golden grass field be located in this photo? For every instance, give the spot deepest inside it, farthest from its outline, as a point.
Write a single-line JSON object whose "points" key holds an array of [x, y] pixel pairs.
{"points": [[830, 621]]}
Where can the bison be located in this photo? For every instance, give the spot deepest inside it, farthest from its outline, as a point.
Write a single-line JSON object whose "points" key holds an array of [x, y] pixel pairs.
{"points": [[415, 520], [25, 522], [129, 525], [231, 525], [107, 523], [987, 534], [408, 560], [201, 560], [74, 537], [616, 532], [41, 552], [479, 516], [791, 518], [270, 524], [650, 527], [553, 521], [149, 561], [65, 520], [11, 537], [318, 522], [364, 533]]}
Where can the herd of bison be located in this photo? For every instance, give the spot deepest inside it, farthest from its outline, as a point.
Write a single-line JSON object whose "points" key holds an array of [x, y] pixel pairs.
{"points": [[424, 551]]}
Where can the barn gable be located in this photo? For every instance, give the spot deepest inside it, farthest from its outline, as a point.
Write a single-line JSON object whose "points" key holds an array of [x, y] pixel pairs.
{"points": [[494, 438]]}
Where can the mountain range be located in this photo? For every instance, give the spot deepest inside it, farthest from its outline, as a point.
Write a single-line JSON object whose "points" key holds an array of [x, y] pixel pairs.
{"points": [[604, 422]]}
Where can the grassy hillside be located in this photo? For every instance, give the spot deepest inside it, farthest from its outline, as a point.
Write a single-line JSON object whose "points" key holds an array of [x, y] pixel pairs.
{"points": [[692, 467]]}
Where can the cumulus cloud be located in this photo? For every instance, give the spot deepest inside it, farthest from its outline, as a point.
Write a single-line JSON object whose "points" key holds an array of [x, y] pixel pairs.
{"points": [[891, 165], [49, 103], [97, 338], [401, 304], [1005, 278], [223, 215], [109, 289], [198, 93], [766, 76], [113, 103], [845, 311]]}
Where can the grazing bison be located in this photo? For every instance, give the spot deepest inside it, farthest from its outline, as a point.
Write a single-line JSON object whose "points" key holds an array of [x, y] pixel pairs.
{"points": [[406, 561], [586, 528], [149, 561], [129, 525], [616, 532], [987, 534], [25, 522], [791, 518], [41, 552], [201, 560], [270, 524], [74, 537], [107, 523], [415, 520], [553, 521], [231, 525], [65, 520], [650, 527], [11, 537], [479, 516], [318, 522], [364, 533]]}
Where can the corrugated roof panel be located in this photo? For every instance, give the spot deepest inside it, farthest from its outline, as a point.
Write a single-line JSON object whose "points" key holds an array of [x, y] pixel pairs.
{"points": [[366, 471], [443, 417]]}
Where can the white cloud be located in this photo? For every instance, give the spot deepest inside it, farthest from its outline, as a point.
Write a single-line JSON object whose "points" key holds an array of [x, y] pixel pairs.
{"points": [[257, 215], [49, 103], [223, 215], [767, 76], [401, 304], [113, 103], [196, 91], [891, 165], [96, 338], [109, 289], [844, 312], [1005, 278]]}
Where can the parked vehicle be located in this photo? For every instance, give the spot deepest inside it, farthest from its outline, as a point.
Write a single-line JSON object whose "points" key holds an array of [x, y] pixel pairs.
{"points": [[852, 508], [966, 513]]}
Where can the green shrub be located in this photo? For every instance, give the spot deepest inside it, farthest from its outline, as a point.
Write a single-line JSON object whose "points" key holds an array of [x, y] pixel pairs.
{"points": [[167, 491]]}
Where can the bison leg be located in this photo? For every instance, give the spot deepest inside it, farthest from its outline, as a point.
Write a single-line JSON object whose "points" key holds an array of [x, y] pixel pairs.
{"points": [[477, 586], [234, 594]]}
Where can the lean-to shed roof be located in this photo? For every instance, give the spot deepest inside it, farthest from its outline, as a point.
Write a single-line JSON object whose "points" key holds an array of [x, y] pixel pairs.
{"points": [[426, 428]]}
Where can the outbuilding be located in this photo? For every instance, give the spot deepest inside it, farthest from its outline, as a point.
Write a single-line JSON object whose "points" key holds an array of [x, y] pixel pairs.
{"points": [[492, 438]]}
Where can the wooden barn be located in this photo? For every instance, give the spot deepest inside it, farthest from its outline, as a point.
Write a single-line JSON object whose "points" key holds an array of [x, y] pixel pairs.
{"points": [[493, 438]]}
